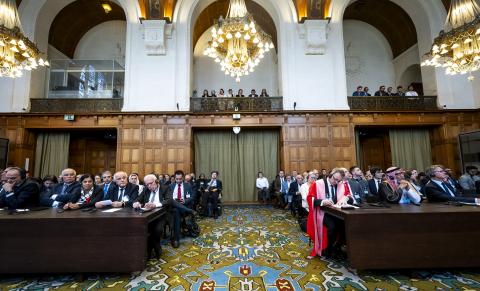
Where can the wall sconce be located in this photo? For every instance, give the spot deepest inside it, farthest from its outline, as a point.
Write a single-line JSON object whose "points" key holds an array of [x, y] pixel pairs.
{"points": [[236, 129]]}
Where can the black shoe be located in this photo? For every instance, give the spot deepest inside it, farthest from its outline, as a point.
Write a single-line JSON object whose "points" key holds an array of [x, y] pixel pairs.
{"points": [[175, 244]]}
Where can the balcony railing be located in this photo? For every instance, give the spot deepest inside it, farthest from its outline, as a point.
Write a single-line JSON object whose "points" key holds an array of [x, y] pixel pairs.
{"points": [[74, 105], [216, 104], [395, 103]]}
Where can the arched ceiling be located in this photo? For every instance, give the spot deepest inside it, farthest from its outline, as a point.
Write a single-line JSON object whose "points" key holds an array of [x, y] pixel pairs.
{"points": [[389, 18], [73, 21], [210, 15]]}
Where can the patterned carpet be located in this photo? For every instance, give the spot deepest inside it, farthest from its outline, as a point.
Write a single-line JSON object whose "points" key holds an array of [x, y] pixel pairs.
{"points": [[251, 248]]}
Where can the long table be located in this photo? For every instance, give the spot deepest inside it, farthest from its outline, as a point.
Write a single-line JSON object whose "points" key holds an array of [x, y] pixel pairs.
{"points": [[74, 241], [410, 236]]}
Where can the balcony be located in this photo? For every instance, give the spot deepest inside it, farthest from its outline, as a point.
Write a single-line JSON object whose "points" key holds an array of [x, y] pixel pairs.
{"points": [[243, 104], [393, 103]]}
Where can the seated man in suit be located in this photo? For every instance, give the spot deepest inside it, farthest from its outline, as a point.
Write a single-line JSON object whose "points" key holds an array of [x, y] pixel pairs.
{"points": [[17, 192], [395, 189], [211, 193], [154, 195], [62, 192], [374, 184], [326, 192], [439, 190], [358, 185], [294, 193], [183, 200], [123, 194], [281, 189]]}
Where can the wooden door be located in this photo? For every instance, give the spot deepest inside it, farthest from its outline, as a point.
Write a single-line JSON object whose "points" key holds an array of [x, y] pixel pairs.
{"points": [[375, 148], [91, 153]]}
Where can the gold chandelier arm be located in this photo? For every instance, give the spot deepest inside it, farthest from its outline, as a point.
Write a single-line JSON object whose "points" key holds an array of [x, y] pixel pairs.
{"points": [[460, 13]]}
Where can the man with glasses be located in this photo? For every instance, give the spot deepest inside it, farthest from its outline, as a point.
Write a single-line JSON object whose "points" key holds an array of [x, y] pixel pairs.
{"points": [[438, 189], [17, 192], [62, 192]]}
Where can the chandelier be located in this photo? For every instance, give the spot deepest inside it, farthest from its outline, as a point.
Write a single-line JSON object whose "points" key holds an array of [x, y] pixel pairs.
{"points": [[457, 47], [237, 44], [17, 52]]}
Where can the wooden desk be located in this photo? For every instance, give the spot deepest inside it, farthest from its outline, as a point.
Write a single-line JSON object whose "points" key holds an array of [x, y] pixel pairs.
{"points": [[409, 236], [74, 241]]}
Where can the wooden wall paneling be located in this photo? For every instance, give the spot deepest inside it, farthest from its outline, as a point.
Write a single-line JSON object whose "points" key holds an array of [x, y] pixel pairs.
{"points": [[131, 150]]}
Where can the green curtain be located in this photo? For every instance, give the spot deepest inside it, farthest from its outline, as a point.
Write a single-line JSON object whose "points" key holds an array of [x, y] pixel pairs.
{"points": [[238, 158], [411, 148], [51, 154]]}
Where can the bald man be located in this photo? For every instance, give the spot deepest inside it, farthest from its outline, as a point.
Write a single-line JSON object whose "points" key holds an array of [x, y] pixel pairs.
{"points": [[62, 192]]}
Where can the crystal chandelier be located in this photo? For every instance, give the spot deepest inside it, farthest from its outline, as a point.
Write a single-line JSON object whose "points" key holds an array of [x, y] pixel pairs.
{"points": [[457, 47], [237, 43], [17, 52]]}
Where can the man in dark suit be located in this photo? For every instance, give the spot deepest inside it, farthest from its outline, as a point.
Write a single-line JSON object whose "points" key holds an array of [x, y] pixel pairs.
{"points": [[107, 183], [438, 189], [154, 195], [358, 185], [17, 192], [183, 201], [374, 184], [122, 194], [62, 192], [212, 192], [294, 192]]}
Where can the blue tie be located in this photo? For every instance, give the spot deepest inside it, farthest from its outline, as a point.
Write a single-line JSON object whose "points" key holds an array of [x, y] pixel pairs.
{"points": [[105, 191], [63, 189]]}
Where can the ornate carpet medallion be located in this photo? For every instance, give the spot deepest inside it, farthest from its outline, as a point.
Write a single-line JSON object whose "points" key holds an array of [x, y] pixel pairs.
{"points": [[250, 248]]}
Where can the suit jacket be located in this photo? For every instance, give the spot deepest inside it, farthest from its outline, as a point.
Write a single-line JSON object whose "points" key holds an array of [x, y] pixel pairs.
{"points": [[25, 195], [72, 189], [294, 188], [435, 193], [278, 185], [131, 191], [165, 193], [187, 191], [97, 196], [373, 187]]}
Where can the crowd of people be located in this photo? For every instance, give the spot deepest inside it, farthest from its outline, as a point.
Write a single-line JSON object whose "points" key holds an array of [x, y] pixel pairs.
{"points": [[364, 91], [304, 195], [221, 93], [179, 194]]}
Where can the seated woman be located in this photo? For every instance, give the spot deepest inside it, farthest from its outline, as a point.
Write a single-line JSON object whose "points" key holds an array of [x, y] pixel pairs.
{"points": [[240, 93], [88, 195], [264, 93], [411, 91], [205, 93], [48, 182], [221, 93]]}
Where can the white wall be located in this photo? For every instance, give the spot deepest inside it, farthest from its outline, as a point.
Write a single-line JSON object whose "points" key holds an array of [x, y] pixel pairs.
{"points": [[403, 62], [207, 73], [105, 41], [368, 57], [412, 74]]}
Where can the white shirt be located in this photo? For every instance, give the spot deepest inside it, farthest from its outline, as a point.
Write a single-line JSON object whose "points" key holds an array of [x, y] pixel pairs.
{"points": [[262, 183], [156, 198], [411, 93], [304, 191], [182, 189]]}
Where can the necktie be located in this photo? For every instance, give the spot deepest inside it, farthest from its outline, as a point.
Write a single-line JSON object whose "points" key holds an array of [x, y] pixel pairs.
{"points": [[445, 188], [120, 196], [179, 192], [332, 190], [63, 189], [105, 189], [153, 197]]}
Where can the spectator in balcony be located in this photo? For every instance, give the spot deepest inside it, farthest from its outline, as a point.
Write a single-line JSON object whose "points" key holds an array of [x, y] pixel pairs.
{"points": [[264, 93], [240, 93], [221, 93], [359, 92], [213, 93], [253, 93], [230, 93], [205, 93], [365, 90], [381, 91], [411, 91], [399, 91], [389, 91]]}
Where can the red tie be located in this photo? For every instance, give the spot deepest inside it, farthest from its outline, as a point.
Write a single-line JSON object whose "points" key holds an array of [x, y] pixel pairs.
{"points": [[179, 192]]}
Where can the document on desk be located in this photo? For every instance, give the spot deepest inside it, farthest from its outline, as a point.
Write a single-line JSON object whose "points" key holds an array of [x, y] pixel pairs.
{"points": [[345, 206], [112, 210]]}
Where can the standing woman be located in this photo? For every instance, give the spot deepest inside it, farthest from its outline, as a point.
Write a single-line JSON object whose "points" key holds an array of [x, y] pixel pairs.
{"points": [[87, 196]]}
